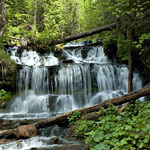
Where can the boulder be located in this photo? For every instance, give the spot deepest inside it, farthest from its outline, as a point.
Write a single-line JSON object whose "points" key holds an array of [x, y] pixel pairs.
{"points": [[58, 47], [54, 140], [26, 131]]}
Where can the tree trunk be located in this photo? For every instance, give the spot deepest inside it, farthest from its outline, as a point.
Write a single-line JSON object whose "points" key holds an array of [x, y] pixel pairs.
{"points": [[130, 68], [130, 76], [3, 17], [88, 33], [62, 119], [35, 13], [73, 20]]}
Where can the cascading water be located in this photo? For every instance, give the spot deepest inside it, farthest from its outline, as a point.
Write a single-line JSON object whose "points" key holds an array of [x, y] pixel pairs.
{"points": [[85, 82], [33, 86], [102, 80], [35, 97], [74, 80], [88, 81]]}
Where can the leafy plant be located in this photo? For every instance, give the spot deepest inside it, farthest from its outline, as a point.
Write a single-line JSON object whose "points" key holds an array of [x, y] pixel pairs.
{"points": [[127, 130], [2, 93], [6, 61], [76, 115], [5, 97]]}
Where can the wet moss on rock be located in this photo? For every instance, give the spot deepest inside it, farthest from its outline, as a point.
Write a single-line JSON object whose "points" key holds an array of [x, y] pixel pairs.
{"points": [[7, 72], [4, 100]]}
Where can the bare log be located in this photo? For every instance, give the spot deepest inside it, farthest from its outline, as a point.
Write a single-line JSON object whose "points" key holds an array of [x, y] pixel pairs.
{"points": [[88, 33], [115, 101], [61, 119]]}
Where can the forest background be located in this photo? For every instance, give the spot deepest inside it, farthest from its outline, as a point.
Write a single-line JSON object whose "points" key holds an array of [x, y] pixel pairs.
{"points": [[41, 23]]}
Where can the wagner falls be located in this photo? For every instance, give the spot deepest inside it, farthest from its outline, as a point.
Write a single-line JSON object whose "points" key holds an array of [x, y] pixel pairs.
{"points": [[47, 86]]}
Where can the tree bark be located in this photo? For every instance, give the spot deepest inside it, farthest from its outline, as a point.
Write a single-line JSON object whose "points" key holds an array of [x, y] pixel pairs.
{"points": [[3, 17], [88, 33], [130, 76], [61, 119], [35, 13], [115, 101], [130, 68], [73, 19]]}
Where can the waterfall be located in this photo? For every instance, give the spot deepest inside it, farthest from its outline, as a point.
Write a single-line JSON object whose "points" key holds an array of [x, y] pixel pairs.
{"points": [[89, 80], [33, 91], [109, 80], [33, 85], [47, 87], [74, 80]]}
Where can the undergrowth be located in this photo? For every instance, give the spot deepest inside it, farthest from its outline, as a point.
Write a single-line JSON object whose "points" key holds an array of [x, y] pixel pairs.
{"points": [[5, 96], [129, 130]]}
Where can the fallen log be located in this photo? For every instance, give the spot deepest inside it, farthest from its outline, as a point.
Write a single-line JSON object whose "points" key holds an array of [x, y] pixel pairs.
{"points": [[63, 117], [115, 101], [88, 33]]}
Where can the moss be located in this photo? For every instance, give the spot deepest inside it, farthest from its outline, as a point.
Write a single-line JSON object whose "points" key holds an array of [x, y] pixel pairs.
{"points": [[6, 62], [8, 83], [7, 72], [4, 100]]}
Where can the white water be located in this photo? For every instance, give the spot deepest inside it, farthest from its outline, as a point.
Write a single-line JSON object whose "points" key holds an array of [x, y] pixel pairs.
{"points": [[111, 80], [33, 86], [87, 81], [44, 140], [32, 58]]}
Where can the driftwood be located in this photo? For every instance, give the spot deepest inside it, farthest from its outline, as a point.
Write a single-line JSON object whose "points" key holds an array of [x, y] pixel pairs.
{"points": [[88, 33], [63, 117]]}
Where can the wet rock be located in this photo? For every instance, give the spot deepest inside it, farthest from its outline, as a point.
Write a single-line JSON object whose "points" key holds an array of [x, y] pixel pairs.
{"points": [[58, 53], [85, 50], [6, 141], [58, 47], [76, 146], [54, 140], [52, 101], [11, 124], [69, 133], [68, 61], [26, 131], [8, 124], [91, 116]]}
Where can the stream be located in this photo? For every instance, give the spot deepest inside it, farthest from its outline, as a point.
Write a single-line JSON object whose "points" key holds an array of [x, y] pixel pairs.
{"points": [[47, 87]]}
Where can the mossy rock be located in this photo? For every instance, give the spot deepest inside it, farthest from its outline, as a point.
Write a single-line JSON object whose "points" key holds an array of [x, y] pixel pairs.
{"points": [[8, 83], [5, 100]]}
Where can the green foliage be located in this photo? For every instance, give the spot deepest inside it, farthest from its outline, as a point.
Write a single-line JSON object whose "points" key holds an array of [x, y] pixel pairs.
{"points": [[7, 62], [127, 130], [76, 115], [5, 97], [2, 93], [1, 42], [144, 38], [124, 46], [84, 126]]}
